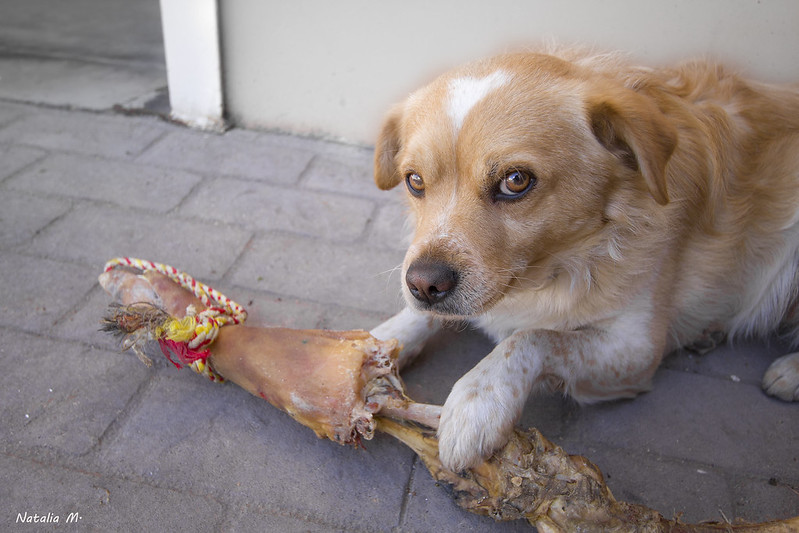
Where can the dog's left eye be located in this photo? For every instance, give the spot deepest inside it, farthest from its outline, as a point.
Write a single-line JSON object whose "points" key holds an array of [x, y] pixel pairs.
{"points": [[515, 185], [415, 184]]}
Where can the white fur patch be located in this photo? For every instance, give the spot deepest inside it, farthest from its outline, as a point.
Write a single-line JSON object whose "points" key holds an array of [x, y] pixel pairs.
{"points": [[465, 92]]}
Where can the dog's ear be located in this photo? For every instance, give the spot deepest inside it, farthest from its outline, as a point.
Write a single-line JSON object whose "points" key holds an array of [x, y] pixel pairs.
{"points": [[389, 143], [633, 128]]}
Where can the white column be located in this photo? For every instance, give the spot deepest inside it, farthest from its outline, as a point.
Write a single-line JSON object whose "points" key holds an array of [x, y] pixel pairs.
{"points": [[193, 65]]}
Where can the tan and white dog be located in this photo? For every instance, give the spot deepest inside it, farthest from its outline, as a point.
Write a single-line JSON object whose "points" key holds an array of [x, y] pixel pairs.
{"points": [[591, 217]]}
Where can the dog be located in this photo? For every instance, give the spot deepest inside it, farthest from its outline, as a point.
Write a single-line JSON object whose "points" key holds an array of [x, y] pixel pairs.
{"points": [[591, 216]]}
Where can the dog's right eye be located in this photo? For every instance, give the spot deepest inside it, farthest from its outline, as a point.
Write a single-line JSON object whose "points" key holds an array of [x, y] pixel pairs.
{"points": [[415, 184], [515, 185]]}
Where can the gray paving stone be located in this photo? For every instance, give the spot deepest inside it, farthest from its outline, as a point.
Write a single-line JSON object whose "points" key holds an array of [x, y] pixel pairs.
{"points": [[61, 395], [194, 435], [88, 501], [77, 83], [22, 215], [320, 147], [130, 32], [759, 500], [236, 152], [10, 112], [745, 360], [392, 228], [351, 175], [266, 207], [82, 323], [36, 292], [336, 317], [695, 491], [94, 234], [118, 182], [714, 421], [321, 271], [86, 133], [268, 310], [247, 521], [15, 158]]}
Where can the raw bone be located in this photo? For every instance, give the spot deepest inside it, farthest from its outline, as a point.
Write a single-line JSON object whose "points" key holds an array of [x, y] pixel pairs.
{"points": [[336, 382], [330, 381]]}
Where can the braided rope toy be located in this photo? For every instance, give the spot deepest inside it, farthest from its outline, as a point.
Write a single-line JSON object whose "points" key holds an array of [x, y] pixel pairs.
{"points": [[186, 338]]}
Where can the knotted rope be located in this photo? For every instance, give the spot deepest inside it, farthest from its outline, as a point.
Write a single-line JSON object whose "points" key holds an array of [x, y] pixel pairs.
{"points": [[188, 338]]}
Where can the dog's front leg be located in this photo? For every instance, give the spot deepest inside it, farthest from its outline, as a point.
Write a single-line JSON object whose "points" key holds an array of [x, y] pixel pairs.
{"points": [[411, 329], [591, 364]]}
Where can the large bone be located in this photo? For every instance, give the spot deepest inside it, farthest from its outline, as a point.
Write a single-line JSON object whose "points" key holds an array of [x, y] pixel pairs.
{"points": [[534, 479], [336, 382], [331, 381]]}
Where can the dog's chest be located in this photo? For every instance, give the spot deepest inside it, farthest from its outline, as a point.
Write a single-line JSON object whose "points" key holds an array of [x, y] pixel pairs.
{"points": [[525, 312]]}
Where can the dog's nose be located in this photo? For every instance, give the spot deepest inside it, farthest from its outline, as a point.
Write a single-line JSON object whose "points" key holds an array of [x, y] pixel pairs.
{"points": [[430, 281]]}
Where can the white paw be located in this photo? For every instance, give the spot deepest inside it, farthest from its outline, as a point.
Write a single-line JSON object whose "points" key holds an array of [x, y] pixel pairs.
{"points": [[476, 420], [782, 378]]}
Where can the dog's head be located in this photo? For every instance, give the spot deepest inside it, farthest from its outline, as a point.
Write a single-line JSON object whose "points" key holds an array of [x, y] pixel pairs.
{"points": [[516, 168]]}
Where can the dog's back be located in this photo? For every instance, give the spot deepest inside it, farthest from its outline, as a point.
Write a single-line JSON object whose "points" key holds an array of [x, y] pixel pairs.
{"points": [[737, 178]]}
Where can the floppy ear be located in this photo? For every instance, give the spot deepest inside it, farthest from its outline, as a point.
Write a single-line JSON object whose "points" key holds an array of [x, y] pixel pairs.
{"points": [[388, 145], [632, 127]]}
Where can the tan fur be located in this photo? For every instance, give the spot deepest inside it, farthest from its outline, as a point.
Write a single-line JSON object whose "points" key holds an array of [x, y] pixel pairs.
{"points": [[666, 208]]}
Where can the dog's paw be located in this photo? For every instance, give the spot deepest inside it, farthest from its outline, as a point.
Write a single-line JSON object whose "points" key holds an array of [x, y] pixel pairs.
{"points": [[476, 420], [782, 378]]}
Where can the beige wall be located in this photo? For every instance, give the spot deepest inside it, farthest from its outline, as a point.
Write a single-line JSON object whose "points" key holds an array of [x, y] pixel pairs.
{"points": [[332, 68]]}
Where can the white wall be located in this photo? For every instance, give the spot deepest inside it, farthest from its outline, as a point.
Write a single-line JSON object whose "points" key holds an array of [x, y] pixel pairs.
{"points": [[332, 68]]}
